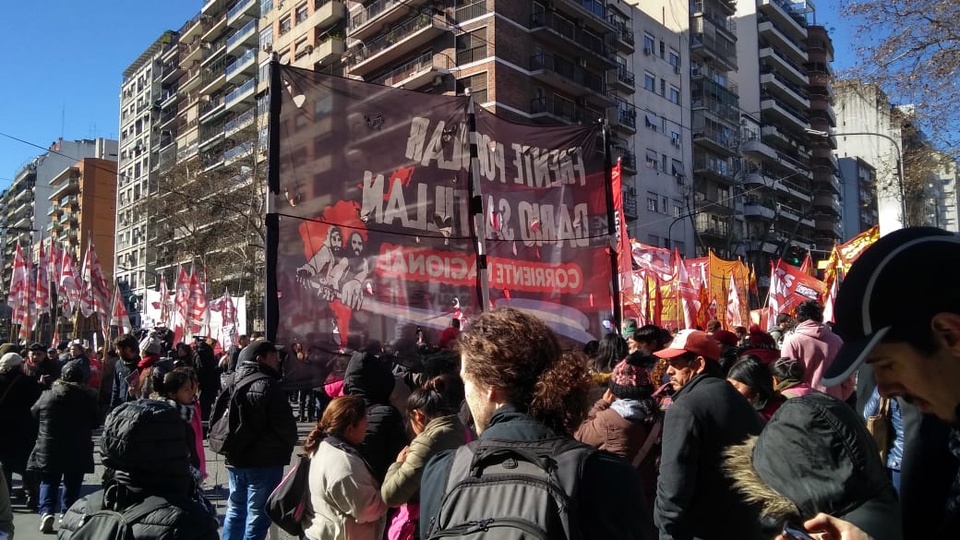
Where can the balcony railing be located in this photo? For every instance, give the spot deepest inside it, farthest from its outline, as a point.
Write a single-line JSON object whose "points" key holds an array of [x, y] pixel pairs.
{"points": [[371, 11], [724, 48], [236, 93], [211, 105], [238, 151], [240, 34], [239, 62], [405, 71], [241, 6], [567, 70], [783, 32], [240, 121], [720, 21], [624, 31], [471, 11], [396, 34], [570, 31], [625, 75], [564, 109], [700, 71]]}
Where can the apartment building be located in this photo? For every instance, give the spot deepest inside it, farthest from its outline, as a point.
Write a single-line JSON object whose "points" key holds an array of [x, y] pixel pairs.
{"points": [[948, 197], [143, 97], [83, 202], [25, 208], [859, 181]]}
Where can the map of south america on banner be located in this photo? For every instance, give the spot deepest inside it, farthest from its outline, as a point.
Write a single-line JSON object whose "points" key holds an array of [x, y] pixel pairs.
{"points": [[375, 234]]}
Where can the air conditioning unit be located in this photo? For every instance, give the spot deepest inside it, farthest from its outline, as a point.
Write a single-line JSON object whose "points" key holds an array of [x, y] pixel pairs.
{"points": [[267, 48]]}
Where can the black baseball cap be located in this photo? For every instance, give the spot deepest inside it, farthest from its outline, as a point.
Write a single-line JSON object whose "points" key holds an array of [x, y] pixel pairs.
{"points": [[36, 347], [904, 277], [255, 349]]}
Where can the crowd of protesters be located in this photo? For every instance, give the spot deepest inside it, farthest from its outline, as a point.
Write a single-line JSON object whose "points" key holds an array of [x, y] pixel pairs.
{"points": [[838, 431]]}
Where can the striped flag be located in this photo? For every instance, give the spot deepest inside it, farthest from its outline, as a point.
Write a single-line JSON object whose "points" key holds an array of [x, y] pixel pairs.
{"points": [[164, 303], [228, 326], [43, 282], [96, 294], [17, 298], [68, 286], [118, 313], [181, 302]]}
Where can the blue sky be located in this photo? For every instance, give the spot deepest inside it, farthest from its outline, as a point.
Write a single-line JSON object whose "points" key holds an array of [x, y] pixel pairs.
{"points": [[65, 61]]}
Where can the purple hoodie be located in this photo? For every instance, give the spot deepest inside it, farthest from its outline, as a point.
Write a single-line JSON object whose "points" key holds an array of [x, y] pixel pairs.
{"points": [[816, 346]]}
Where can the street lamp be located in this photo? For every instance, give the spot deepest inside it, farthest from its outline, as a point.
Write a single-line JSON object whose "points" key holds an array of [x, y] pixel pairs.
{"points": [[896, 146]]}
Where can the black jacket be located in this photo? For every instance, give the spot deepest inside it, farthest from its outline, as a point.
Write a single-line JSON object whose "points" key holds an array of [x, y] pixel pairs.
{"points": [[611, 496], [367, 377], [267, 431], [18, 428], [694, 497], [68, 413], [120, 392]]}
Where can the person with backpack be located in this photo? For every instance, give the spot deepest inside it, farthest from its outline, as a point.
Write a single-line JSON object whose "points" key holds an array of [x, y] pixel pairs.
{"points": [[67, 414], [345, 502], [434, 420], [151, 493], [254, 428], [525, 474]]}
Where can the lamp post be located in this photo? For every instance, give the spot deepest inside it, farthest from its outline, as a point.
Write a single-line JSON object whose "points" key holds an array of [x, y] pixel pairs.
{"points": [[896, 146]]}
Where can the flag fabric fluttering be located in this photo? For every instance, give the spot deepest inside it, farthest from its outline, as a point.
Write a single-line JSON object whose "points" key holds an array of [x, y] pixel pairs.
{"points": [[17, 297], [69, 287], [118, 314], [197, 304], [734, 318], [164, 303], [228, 327], [96, 294], [686, 295], [181, 302], [43, 281]]}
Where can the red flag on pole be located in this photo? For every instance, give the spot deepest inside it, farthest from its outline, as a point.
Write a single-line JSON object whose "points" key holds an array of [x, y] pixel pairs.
{"points": [[807, 266], [118, 313], [228, 327], [18, 285], [164, 303], [43, 282], [734, 317], [96, 294], [69, 287], [686, 295], [181, 301]]}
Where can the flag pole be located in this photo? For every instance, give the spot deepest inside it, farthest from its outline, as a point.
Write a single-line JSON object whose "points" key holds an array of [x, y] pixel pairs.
{"points": [[612, 228]]}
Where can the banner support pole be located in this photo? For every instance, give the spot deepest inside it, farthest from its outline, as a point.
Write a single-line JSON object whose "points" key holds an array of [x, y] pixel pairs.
{"points": [[478, 220], [612, 228], [271, 303]]}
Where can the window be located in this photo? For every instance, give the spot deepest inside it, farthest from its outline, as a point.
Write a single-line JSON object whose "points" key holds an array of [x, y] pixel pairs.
{"points": [[301, 13], [674, 59], [284, 25], [679, 246], [265, 7], [663, 50], [677, 209], [649, 81], [663, 125], [677, 168], [675, 138], [652, 160], [663, 204], [650, 121], [674, 95], [663, 167], [472, 46], [647, 44], [652, 202], [663, 87], [477, 85], [266, 39]]}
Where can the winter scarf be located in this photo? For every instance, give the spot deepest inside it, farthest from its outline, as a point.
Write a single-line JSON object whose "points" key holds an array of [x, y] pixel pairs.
{"points": [[637, 410]]}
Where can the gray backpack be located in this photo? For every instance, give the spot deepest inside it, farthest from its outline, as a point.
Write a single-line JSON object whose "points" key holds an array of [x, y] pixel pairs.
{"points": [[513, 490]]}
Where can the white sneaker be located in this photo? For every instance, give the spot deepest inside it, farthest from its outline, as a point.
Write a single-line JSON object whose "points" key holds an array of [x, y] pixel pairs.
{"points": [[46, 523]]}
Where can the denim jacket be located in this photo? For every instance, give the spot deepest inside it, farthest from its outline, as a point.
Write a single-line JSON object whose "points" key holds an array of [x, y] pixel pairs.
{"points": [[895, 456]]}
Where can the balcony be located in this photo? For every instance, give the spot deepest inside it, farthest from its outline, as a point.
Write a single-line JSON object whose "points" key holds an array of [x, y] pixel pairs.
{"points": [[720, 21], [210, 136], [212, 28], [787, 116], [417, 73], [244, 10], [628, 159], [187, 152], [214, 76], [773, 83], [625, 38], [622, 79], [71, 185], [785, 14], [700, 72], [244, 93], [624, 116], [824, 157], [210, 108], [823, 109], [325, 51], [368, 20], [828, 202], [711, 48], [191, 80], [593, 12], [774, 60], [719, 204], [823, 180], [630, 204], [245, 65], [758, 149], [724, 140], [239, 122], [771, 32], [714, 168], [757, 208], [192, 28], [192, 52], [560, 110], [829, 228], [562, 73], [326, 13], [562, 31], [244, 36], [403, 38], [705, 101], [171, 71], [211, 160], [238, 152]]}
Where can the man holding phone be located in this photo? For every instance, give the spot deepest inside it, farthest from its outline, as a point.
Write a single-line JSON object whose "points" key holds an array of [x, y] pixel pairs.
{"points": [[898, 311]]}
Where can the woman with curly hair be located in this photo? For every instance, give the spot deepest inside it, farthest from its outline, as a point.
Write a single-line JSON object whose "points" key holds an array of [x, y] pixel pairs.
{"points": [[345, 500]]}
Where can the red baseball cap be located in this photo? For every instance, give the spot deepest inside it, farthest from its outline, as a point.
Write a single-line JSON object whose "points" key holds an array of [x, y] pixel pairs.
{"points": [[693, 341]]}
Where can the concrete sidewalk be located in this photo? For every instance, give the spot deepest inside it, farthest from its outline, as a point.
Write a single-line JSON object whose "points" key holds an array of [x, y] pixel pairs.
{"points": [[28, 523]]}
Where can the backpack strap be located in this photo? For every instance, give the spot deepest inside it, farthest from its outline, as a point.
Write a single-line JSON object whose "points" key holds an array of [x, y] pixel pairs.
{"points": [[137, 512], [648, 444]]}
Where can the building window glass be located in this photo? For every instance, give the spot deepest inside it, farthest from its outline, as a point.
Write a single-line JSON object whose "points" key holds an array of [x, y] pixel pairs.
{"points": [[652, 161], [651, 202], [284, 25], [265, 7], [477, 85], [663, 87], [647, 44], [675, 95], [301, 13], [674, 59], [472, 46], [649, 81]]}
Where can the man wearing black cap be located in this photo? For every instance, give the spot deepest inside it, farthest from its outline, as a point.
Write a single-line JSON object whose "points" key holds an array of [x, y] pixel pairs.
{"points": [[261, 446], [694, 498], [898, 312], [40, 366]]}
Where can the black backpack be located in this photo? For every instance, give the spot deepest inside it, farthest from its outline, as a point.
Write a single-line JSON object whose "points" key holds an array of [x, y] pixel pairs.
{"points": [[108, 523], [224, 424], [513, 490]]}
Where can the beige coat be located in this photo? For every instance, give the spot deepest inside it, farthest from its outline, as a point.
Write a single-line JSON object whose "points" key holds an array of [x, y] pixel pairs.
{"points": [[345, 501]]}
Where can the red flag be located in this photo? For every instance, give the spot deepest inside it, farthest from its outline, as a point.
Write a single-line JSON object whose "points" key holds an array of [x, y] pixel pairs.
{"points": [[807, 266], [198, 304], [686, 295], [96, 294], [789, 287], [830, 300], [17, 297], [118, 314], [734, 317], [54, 257], [43, 282], [624, 253], [228, 325], [69, 287], [164, 303], [181, 301]]}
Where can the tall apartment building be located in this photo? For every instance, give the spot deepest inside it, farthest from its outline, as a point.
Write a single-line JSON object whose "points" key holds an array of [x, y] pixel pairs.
{"points": [[859, 180], [142, 100], [867, 128], [25, 207], [664, 181], [83, 202], [826, 187], [948, 199]]}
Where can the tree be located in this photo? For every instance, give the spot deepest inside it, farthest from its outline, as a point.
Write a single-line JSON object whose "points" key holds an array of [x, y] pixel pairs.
{"points": [[911, 48], [213, 216]]}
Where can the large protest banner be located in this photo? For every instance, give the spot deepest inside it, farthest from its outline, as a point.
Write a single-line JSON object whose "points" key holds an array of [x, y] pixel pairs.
{"points": [[374, 239]]}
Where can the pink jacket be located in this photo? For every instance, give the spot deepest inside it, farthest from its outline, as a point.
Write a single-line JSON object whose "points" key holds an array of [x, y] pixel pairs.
{"points": [[816, 346]]}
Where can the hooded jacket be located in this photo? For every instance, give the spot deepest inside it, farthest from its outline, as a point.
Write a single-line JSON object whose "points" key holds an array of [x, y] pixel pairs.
{"points": [[144, 444], [67, 415], [607, 429], [368, 378], [694, 498], [603, 515], [267, 431], [816, 346], [402, 482], [815, 455]]}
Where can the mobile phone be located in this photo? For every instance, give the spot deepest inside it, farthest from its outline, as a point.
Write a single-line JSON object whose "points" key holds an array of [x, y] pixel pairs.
{"points": [[796, 534]]}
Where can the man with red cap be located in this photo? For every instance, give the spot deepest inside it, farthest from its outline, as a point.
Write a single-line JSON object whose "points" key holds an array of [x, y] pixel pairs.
{"points": [[694, 497]]}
